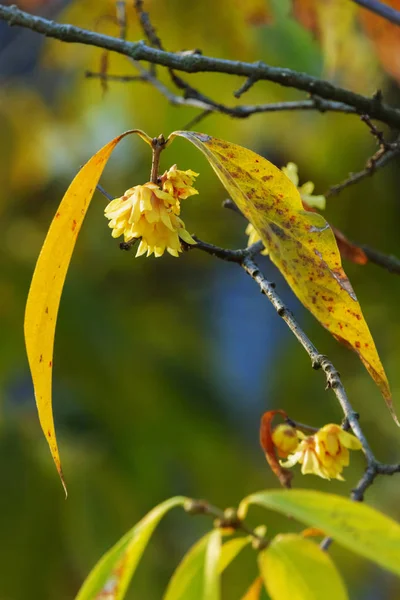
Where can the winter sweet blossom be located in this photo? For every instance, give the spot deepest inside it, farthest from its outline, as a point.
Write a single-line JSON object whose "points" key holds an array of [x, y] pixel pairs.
{"points": [[325, 453], [151, 213], [285, 439]]}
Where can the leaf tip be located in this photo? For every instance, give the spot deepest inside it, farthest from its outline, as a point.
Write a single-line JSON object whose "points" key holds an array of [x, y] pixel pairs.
{"points": [[62, 481]]}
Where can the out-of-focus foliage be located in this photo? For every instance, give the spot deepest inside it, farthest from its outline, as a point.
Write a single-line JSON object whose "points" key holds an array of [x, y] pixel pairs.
{"points": [[113, 573], [163, 368], [357, 526], [294, 567], [336, 24], [290, 565]]}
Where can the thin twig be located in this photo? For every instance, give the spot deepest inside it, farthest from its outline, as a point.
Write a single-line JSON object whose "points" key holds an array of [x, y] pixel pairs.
{"points": [[115, 78], [387, 261], [227, 518], [120, 6], [146, 24], [197, 119], [372, 166], [196, 63], [383, 10]]}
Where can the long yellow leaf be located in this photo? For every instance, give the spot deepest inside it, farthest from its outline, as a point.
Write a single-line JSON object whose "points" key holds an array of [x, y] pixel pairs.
{"points": [[299, 242], [48, 281], [296, 568]]}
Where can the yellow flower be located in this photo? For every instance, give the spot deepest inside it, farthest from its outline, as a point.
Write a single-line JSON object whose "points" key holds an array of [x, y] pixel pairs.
{"points": [[254, 237], [324, 453], [179, 183], [285, 439], [147, 212], [306, 190], [306, 193]]}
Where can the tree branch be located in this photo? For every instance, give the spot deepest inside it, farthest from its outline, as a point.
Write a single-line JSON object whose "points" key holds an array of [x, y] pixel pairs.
{"points": [[227, 518], [371, 167], [383, 10], [196, 63], [389, 262], [245, 258]]}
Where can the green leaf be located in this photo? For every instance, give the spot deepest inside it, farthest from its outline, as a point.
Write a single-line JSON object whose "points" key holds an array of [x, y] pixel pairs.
{"points": [[354, 525], [300, 243], [212, 579], [189, 581], [114, 571], [296, 568]]}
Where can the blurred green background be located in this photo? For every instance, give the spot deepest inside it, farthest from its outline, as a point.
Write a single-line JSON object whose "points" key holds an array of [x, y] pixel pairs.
{"points": [[163, 367]]}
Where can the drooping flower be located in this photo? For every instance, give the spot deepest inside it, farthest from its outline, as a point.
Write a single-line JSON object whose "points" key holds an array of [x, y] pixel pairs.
{"points": [[333, 445], [151, 214], [306, 193], [179, 183], [325, 453], [285, 439]]}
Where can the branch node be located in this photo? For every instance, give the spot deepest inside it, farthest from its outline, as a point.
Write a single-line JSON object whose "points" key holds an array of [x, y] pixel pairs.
{"points": [[195, 507]]}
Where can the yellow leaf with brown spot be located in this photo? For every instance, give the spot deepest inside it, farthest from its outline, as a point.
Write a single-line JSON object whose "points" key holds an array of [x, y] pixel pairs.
{"points": [[300, 243], [48, 281]]}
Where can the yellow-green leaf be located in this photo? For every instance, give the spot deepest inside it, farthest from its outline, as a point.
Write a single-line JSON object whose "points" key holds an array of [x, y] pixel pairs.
{"points": [[48, 281], [299, 242], [354, 525], [111, 576], [212, 579], [200, 565], [296, 568]]}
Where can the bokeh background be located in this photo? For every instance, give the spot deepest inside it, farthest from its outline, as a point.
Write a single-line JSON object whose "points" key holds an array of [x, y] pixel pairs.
{"points": [[163, 367]]}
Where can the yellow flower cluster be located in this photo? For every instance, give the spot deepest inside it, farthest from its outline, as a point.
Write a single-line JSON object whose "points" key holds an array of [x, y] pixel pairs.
{"points": [[306, 193], [325, 453], [151, 213]]}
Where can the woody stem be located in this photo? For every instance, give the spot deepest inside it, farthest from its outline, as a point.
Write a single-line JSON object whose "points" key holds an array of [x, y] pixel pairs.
{"points": [[158, 145]]}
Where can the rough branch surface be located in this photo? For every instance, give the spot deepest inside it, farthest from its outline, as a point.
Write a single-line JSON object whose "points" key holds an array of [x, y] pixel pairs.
{"points": [[196, 63]]}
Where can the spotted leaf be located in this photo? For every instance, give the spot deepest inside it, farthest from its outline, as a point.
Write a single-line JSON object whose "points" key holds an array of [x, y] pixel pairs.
{"points": [[300, 243]]}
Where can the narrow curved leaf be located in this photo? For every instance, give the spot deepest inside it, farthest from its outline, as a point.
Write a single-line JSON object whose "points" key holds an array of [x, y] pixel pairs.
{"points": [[300, 243], [296, 568], [111, 576], [354, 525], [48, 281], [188, 581]]}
